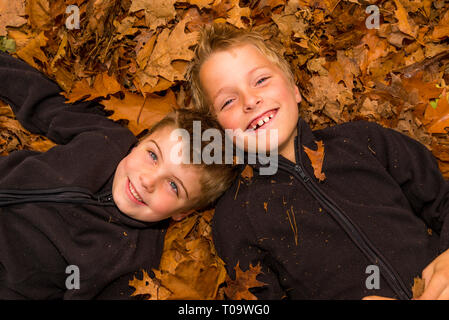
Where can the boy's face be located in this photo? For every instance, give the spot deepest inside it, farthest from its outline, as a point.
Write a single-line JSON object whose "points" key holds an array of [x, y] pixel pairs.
{"points": [[249, 92], [149, 186]]}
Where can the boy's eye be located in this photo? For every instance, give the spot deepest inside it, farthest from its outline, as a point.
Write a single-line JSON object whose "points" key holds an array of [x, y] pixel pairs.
{"points": [[226, 103], [174, 187], [261, 80], [153, 156]]}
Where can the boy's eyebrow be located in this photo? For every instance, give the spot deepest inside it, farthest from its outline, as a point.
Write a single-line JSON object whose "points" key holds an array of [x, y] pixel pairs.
{"points": [[176, 178]]}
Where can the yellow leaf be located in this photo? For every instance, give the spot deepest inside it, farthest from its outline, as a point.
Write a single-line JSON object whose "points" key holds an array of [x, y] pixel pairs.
{"points": [[32, 50]]}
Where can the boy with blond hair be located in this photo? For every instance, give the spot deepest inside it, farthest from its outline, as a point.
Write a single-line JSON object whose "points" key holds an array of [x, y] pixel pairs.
{"points": [[363, 230], [78, 221]]}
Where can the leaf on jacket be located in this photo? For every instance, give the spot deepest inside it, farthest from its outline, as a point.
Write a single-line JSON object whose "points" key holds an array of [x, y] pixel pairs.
{"points": [[247, 173], [148, 286], [418, 287], [238, 289], [316, 158], [189, 267]]}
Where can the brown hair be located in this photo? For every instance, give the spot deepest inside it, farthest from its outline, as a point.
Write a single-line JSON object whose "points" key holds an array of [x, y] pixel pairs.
{"points": [[219, 37], [215, 177]]}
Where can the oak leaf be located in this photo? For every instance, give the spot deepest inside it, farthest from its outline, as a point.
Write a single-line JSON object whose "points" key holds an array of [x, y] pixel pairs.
{"points": [[238, 289], [316, 158], [171, 46]]}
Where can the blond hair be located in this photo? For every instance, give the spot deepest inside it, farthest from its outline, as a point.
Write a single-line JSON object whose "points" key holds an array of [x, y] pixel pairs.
{"points": [[215, 178], [219, 37]]}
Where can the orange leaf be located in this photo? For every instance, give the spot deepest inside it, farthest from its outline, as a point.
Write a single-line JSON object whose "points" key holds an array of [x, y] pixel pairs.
{"points": [[316, 158], [238, 289], [142, 113], [437, 119], [104, 85]]}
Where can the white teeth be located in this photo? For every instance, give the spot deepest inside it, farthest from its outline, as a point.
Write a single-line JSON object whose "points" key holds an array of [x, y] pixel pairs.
{"points": [[271, 116], [260, 122], [134, 192], [266, 119]]}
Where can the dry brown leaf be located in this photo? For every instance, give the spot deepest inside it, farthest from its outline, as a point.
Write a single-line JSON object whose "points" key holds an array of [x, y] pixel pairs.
{"points": [[157, 12], [142, 113], [11, 14], [148, 286], [405, 24], [437, 119], [103, 86], [247, 173], [33, 51], [38, 12], [316, 158], [238, 289], [418, 287], [171, 46]]}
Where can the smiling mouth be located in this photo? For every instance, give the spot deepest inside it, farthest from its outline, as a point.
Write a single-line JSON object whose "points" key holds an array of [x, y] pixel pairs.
{"points": [[134, 195], [261, 120]]}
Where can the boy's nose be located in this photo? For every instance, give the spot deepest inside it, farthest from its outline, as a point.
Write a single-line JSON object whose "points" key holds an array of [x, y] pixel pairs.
{"points": [[251, 100], [148, 181]]}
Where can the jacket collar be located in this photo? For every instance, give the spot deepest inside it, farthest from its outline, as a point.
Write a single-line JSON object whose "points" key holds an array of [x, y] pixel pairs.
{"points": [[304, 137]]}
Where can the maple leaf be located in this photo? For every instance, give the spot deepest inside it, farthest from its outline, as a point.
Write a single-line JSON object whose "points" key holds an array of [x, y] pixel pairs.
{"points": [[238, 289], [141, 112], [11, 14], [316, 158]]}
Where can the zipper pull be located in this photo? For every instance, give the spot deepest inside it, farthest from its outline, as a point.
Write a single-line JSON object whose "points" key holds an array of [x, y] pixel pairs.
{"points": [[301, 173], [105, 198]]}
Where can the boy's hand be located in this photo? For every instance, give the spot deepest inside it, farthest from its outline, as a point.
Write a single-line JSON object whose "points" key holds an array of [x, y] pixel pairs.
{"points": [[436, 278]]}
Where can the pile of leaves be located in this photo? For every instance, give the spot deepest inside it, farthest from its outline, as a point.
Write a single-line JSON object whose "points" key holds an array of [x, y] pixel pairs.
{"points": [[132, 54]]}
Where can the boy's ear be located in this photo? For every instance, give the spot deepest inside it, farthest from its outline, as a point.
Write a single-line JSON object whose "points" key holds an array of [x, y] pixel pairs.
{"points": [[297, 95], [182, 215]]}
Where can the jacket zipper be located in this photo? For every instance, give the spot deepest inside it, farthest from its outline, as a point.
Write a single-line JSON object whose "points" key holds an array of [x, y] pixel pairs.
{"points": [[60, 195], [356, 235]]}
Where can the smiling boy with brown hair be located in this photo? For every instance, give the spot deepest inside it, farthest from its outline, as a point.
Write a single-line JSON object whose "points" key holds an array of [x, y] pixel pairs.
{"points": [[99, 202], [316, 239]]}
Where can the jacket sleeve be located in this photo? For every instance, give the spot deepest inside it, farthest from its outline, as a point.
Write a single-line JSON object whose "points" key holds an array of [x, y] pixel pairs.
{"points": [[236, 243], [81, 131], [416, 171], [39, 106]]}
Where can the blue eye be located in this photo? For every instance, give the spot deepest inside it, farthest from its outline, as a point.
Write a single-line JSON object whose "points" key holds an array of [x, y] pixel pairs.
{"points": [[153, 156], [262, 80], [174, 187], [226, 103]]}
